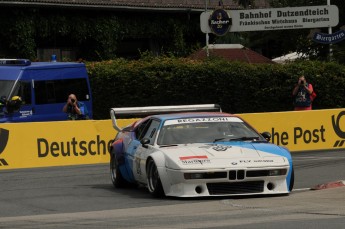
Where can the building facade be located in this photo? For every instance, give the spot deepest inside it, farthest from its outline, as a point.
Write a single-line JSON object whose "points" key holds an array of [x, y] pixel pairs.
{"points": [[103, 29]]}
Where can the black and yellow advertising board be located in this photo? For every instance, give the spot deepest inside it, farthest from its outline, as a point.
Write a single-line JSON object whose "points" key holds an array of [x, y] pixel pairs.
{"points": [[302, 130], [45, 144], [41, 144]]}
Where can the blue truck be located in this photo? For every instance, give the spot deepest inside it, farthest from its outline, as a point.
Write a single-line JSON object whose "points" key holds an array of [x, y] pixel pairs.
{"points": [[37, 91]]}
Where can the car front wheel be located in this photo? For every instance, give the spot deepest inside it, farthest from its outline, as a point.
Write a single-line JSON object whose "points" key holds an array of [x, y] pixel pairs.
{"points": [[154, 183]]}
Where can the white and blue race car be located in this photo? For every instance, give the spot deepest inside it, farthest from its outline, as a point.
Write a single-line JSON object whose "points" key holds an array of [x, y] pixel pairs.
{"points": [[197, 154]]}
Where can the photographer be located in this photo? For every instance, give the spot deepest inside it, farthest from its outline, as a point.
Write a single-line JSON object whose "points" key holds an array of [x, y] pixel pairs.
{"points": [[302, 95], [76, 110]]}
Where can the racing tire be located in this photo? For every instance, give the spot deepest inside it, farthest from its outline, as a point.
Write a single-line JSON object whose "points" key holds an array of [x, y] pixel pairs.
{"points": [[154, 183], [292, 180], [115, 174]]}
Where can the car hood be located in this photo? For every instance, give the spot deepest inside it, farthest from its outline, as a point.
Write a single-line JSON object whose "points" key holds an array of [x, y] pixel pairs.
{"points": [[207, 156]]}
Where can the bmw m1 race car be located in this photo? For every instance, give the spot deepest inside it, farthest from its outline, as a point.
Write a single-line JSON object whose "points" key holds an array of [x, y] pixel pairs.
{"points": [[197, 154]]}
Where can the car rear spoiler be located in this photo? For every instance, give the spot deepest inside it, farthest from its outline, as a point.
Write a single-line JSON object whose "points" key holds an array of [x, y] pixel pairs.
{"points": [[146, 111]]}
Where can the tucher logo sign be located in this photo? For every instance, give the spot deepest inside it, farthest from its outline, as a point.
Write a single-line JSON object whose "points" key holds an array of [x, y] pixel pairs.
{"points": [[4, 134], [337, 129], [271, 19], [219, 22]]}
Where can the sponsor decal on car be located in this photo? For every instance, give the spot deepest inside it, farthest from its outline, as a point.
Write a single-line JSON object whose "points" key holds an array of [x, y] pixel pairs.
{"points": [[187, 160], [221, 147], [256, 161], [216, 147], [253, 161], [201, 120], [263, 161], [24, 114]]}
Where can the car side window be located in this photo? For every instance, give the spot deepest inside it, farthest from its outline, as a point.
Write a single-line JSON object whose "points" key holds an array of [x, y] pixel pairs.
{"points": [[56, 91], [139, 132], [23, 89], [152, 131]]}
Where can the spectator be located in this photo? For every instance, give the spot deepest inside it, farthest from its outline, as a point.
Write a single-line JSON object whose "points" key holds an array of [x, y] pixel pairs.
{"points": [[76, 110], [302, 94]]}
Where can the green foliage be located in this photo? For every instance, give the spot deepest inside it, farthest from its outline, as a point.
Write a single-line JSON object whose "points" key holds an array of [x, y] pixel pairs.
{"points": [[238, 87], [17, 34], [299, 40], [98, 35], [95, 35]]}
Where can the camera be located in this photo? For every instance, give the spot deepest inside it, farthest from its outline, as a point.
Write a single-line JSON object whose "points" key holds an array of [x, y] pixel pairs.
{"points": [[73, 100]]}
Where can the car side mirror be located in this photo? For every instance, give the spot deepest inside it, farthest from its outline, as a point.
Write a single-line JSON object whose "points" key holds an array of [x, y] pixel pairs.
{"points": [[266, 135], [144, 142]]}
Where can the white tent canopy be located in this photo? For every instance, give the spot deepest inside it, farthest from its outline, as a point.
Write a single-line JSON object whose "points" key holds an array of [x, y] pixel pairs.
{"points": [[289, 57]]}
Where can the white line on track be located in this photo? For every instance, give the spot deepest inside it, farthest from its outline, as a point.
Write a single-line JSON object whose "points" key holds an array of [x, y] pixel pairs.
{"points": [[317, 158], [300, 189]]}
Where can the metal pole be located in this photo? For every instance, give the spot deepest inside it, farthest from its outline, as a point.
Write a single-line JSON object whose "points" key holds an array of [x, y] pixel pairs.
{"points": [[330, 32], [207, 37]]}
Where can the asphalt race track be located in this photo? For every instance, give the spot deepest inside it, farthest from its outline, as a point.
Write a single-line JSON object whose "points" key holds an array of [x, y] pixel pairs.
{"points": [[83, 197]]}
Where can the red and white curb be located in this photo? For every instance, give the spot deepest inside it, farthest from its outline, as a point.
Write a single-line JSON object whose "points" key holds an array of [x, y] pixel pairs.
{"points": [[334, 184]]}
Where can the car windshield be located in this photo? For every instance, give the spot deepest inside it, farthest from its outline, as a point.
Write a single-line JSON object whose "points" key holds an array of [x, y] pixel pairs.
{"points": [[6, 87], [199, 131]]}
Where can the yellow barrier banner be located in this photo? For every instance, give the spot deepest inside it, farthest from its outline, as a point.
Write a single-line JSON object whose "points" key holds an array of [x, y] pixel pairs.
{"points": [[302, 130], [44, 144]]}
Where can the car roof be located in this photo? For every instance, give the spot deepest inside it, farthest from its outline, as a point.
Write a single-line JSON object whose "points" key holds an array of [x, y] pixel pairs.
{"points": [[182, 115], [171, 116], [191, 115], [12, 72], [33, 65], [48, 65]]}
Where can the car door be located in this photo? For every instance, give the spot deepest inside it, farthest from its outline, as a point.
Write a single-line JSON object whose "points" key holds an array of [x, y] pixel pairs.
{"points": [[143, 152], [26, 110]]}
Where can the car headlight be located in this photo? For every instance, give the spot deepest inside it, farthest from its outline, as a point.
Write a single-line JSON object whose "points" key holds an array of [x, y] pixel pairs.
{"points": [[208, 175], [266, 173], [277, 172]]}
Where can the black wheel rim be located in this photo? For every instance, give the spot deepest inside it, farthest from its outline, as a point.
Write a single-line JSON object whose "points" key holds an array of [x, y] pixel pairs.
{"points": [[153, 176], [113, 168]]}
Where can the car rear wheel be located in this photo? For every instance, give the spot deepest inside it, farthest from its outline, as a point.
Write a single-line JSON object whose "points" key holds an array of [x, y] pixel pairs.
{"points": [[154, 183], [115, 174]]}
